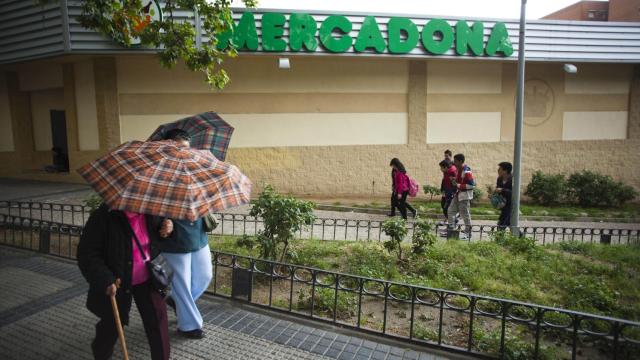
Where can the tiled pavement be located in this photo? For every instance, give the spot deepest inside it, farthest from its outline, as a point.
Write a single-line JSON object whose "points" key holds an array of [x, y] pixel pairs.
{"points": [[42, 316]]}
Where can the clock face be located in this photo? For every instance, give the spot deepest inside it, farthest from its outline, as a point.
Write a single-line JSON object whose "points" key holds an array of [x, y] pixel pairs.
{"points": [[539, 102]]}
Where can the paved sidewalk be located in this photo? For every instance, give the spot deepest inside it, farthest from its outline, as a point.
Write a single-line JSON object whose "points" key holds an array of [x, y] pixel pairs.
{"points": [[42, 316]]}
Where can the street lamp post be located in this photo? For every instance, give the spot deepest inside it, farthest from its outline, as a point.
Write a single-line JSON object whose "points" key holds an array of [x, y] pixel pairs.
{"points": [[517, 153]]}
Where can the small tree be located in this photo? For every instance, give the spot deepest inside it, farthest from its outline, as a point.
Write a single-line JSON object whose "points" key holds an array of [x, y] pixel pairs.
{"points": [[431, 191], [396, 230], [283, 216], [127, 22], [424, 236]]}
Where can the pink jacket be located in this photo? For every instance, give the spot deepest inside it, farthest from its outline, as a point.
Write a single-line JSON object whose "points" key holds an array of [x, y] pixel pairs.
{"points": [[400, 182]]}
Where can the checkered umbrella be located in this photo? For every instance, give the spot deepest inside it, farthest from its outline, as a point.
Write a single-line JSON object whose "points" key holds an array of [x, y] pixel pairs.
{"points": [[208, 132], [164, 179]]}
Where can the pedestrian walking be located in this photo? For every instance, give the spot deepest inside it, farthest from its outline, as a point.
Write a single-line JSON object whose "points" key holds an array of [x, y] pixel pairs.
{"points": [[107, 254], [400, 190], [447, 188], [461, 202], [448, 155], [186, 249], [504, 187]]}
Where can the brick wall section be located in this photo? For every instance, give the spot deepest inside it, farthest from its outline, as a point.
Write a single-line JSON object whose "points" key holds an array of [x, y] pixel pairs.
{"points": [[634, 106], [364, 170]]}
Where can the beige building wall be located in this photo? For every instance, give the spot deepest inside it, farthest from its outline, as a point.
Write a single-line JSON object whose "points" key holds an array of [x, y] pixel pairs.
{"points": [[42, 102], [330, 125], [85, 96]]}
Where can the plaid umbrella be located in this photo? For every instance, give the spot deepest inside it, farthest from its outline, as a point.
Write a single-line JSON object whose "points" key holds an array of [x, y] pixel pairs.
{"points": [[208, 132], [161, 178]]}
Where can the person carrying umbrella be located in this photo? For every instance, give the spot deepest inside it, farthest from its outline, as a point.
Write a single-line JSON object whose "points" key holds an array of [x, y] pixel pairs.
{"points": [[186, 249], [160, 179]]}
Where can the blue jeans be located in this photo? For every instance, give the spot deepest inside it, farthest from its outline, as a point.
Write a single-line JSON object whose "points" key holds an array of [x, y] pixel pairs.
{"points": [[191, 277]]}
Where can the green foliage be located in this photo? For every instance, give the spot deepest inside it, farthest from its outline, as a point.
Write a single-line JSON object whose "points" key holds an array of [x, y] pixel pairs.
{"points": [[587, 292], [283, 216], [478, 194], [589, 188], [370, 260], [431, 190], [324, 299], [122, 22], [423, 236], [424, 333], [546, 189], [93, 202], [514, 243], [514, 347], [396, 230]]}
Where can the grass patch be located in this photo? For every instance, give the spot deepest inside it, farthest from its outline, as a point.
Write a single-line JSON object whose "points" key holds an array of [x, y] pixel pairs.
{"points": [[585, 277]]}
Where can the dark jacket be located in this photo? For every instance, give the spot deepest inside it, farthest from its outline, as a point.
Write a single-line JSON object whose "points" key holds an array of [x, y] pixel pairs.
{"points": [[507, 189], [105, 254], [187, 236]]}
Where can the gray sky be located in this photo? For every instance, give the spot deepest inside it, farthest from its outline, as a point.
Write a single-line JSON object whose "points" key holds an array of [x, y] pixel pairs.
{"points": [[506, 9]]}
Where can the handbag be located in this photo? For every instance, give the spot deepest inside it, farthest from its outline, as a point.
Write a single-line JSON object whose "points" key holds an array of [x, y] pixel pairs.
{"points": [[498, 201], [210, 223], [160, 271]]}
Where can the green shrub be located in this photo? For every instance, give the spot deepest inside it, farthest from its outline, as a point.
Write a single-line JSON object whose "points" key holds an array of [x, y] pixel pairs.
{"points": [[431, 190], [424, 236], [590, 189], [283, 216], [396, 230], [370, 260], [546, 189]]}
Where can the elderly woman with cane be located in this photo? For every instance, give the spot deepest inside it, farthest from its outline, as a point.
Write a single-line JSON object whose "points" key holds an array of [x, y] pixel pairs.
{"points": [[109, 253]]}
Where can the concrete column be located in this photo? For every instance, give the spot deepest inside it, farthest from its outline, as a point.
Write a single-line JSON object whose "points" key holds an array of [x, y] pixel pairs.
{"points": [[107, 107], [417, 103], [633, 123], [70, 109], [21, 122]]}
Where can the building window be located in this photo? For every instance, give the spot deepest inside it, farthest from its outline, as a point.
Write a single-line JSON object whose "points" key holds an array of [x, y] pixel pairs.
{"points": [[597, 15]]}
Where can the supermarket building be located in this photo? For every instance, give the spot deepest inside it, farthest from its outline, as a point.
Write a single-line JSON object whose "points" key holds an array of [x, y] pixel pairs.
{"points": [[361, 89]]}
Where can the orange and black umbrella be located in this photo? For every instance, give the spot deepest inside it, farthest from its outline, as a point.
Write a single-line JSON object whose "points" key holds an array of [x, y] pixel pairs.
{"points": [[165, 179]]}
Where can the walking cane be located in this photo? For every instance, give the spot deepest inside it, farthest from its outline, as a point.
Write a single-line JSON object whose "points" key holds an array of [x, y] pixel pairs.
{"points": [[116, 314]]}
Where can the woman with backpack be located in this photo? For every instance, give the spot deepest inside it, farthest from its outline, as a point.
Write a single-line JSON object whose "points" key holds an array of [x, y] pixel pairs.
{"points": [[400, 190]]}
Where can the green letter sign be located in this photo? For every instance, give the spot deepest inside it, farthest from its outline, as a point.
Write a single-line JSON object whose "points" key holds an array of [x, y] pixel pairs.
{"points": [[499, 41], [434, 46], [244, 34], [395, 28], [302, 31], [469, 38], [370, 36], [403, 36], [341, 44], [272, 31]]}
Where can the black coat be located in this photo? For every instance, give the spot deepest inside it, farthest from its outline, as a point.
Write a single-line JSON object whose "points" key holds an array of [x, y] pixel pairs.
{"points": [[105, 254]]}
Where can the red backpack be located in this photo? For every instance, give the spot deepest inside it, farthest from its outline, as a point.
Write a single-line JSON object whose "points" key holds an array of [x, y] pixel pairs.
{"points": [[414, 187]]}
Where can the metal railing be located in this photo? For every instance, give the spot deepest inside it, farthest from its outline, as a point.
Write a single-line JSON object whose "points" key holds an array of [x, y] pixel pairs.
{"points": [[329, 228], [454, 321]]}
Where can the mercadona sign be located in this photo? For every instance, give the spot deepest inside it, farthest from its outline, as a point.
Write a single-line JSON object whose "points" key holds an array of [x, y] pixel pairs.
{"points": [[436, 37]]}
